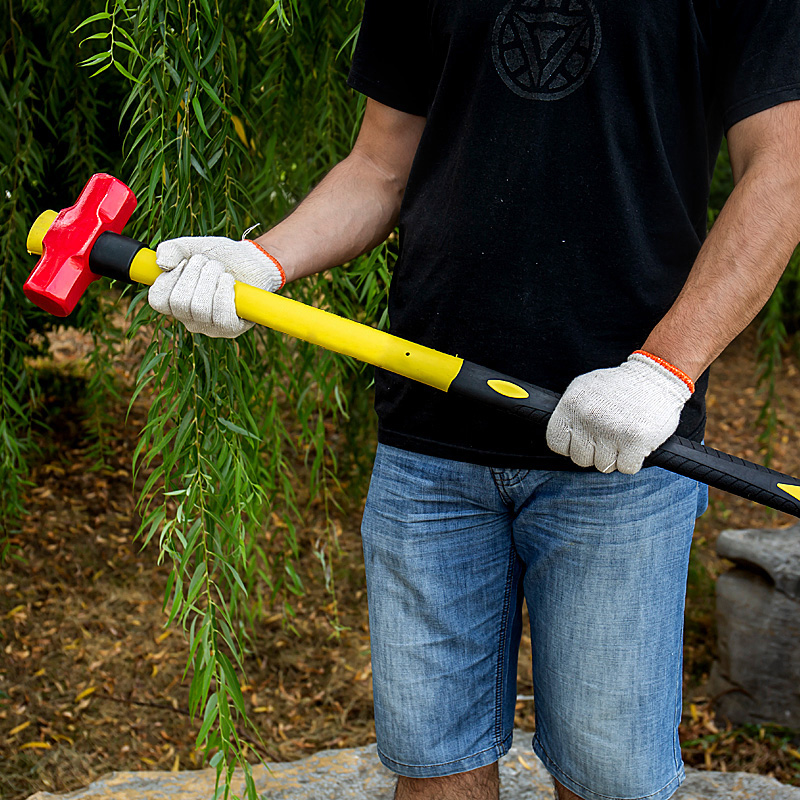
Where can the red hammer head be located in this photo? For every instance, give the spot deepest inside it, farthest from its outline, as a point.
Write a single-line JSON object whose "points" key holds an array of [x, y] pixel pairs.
{"points": [[62, 273]]}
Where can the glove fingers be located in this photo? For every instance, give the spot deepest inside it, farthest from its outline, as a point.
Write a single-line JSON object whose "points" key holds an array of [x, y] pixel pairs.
{"points": [[581, 449], [180, 300], [159, 292], [558, 434], [605, 457], [202, 300], [564, 439], [226, 321], [630, 460], [175, 253]]}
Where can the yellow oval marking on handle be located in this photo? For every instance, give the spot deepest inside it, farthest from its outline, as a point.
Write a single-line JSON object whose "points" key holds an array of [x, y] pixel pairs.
{"points": [[793, 490], [508, 389]]}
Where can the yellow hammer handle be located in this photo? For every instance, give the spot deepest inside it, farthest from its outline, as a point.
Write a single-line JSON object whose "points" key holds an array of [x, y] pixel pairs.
{"points": [[328, 330]]}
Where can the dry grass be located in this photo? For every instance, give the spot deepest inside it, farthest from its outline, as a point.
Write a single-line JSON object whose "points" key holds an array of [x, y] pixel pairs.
{"points": [[90, 682]]}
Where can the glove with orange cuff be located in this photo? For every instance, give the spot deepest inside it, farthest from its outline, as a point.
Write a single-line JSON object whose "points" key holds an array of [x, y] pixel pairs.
{"points": [[614, 418], [197, 284]]}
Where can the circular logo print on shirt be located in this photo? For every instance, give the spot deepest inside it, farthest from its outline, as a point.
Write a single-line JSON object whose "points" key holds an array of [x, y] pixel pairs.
{"points": [[545, 49]]}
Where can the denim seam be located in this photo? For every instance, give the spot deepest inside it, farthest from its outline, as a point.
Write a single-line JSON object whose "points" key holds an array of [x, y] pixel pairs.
{"points": [[500, 485], [504, 482], [676, 747], [501, 661], [555, 766], [510, 477], [517, 477], [499, 746]]}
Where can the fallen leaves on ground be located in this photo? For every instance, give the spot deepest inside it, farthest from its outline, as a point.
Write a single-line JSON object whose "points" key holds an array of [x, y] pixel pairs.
{"points": [[91, 682]]}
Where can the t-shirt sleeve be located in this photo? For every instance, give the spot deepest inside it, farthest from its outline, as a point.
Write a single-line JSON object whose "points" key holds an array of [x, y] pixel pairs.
{"points": [[392, 61], [758, 56]]}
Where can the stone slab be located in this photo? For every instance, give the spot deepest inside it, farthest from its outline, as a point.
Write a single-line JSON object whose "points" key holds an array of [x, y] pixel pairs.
{"points": [[757, 675], [358, 775], [775, 551]]}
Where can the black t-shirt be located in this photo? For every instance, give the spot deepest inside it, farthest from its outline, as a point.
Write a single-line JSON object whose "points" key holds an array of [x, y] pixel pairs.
{"points": [[558, 198]]}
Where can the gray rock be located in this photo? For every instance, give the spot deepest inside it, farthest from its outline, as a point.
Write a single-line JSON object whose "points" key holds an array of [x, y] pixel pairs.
{"points": [[358, 775], [774, 551], [702, 785], [757, 676]]}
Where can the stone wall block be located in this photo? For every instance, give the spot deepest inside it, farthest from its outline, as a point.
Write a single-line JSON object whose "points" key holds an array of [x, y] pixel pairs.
{"points": [[358, 775], [757, 676]]}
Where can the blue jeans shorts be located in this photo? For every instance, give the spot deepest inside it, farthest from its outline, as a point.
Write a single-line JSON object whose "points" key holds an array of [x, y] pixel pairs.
{"points": [[452, 549]]}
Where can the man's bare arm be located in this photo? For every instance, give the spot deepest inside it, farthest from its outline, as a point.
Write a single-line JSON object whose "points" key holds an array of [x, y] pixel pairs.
{"points": [[355, 207], [748, 247]]}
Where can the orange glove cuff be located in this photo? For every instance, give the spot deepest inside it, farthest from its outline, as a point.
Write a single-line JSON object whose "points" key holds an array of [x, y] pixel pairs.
{"points": [[670, 367], [274, 261]]}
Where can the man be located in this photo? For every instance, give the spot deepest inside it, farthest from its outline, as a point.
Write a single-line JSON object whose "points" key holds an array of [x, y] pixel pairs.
{"points": [[548, 164]]}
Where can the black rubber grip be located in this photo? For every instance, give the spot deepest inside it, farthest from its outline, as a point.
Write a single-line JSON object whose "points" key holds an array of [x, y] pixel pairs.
{"points": [[681, 456], [112, 255], [729, 473], [475, 382]]}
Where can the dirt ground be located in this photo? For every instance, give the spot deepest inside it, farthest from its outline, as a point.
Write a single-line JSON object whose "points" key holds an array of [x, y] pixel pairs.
{"points": [[91, 682]]}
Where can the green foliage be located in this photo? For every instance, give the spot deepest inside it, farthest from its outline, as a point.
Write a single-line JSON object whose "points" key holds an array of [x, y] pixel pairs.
{"points": [[231, 116], [52, 138], [24, 167], [219, 115]]}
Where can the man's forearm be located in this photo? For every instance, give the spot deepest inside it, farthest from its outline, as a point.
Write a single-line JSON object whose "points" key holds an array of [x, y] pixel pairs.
{"points": [[351, 211], [737, 269]]}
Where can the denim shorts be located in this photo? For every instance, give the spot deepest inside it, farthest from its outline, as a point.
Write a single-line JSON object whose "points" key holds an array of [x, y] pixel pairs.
{"points": [[452, 549]]}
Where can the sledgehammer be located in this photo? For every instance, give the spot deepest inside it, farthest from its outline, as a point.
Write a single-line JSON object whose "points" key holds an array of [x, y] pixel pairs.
{"points": [[84, 242]]}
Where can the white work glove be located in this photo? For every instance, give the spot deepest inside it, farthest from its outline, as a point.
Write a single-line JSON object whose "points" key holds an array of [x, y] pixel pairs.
{"points": [[614, 418], [197, 284]]}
